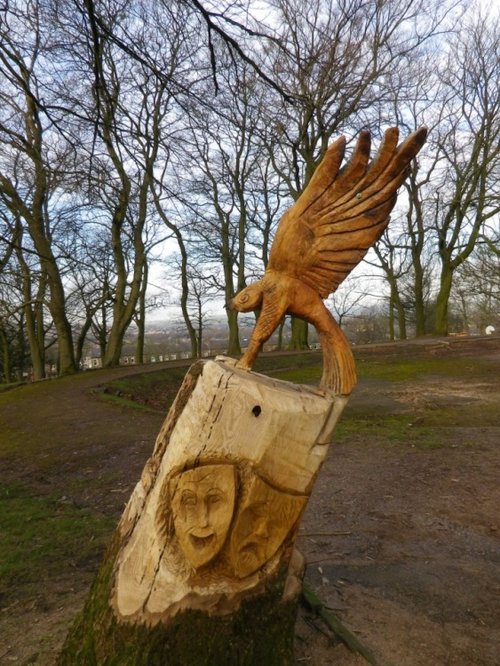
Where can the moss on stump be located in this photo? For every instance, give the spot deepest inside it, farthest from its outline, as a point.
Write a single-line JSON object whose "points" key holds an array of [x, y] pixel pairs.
{"points": [[260, 632]]}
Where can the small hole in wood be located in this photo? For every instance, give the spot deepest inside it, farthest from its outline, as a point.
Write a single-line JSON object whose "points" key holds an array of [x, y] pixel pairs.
{"points": [[256, 410]]}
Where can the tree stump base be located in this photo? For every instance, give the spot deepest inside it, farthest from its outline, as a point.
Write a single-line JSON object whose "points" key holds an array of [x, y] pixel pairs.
{"points": [[202, 569]]}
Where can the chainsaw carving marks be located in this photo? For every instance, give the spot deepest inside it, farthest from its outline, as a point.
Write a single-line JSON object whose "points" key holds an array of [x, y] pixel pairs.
{"points": [[217, 530], [217, 509]]}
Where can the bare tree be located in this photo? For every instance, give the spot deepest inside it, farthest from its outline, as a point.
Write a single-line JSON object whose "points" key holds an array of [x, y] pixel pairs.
{"points": [[467, 192], [476, 286], [202, 291], [219, 193], [31, 159], [338, 64], [121, 114], [392, 258], [347, 300], [23, 287], [126, 113]]}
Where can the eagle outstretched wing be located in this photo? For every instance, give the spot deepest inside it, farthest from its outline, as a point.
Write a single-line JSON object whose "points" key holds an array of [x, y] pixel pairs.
{"points": [[343, 211], [320, 239]]}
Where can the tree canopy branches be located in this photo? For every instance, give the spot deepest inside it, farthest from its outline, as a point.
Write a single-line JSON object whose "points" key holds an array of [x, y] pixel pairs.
{"points": [[125, 122]]}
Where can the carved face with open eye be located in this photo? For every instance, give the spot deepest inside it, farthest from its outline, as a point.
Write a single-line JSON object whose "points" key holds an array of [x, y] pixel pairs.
{"points": [[203, 504], [248, 299]]}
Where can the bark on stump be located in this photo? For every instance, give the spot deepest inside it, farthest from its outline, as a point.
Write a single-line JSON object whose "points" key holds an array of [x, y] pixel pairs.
{"points": [[202, 569]]}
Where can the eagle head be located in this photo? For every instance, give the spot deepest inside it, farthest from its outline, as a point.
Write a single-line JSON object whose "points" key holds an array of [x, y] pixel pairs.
{"points": [[247, 299]]}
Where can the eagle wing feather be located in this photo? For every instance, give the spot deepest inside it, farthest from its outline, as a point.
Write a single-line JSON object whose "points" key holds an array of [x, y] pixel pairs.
{"points": [[343, 211]]}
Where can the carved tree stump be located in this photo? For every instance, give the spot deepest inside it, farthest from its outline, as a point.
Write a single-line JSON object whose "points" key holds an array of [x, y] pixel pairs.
{"points": [[202, 568]]}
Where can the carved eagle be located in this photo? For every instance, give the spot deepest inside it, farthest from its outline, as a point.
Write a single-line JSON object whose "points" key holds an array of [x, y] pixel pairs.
{"points": [[341, 213]]}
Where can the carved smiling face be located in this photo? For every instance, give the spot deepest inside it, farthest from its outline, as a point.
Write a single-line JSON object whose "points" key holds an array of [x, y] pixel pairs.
{"points": [[202, 505], [248, 299]]}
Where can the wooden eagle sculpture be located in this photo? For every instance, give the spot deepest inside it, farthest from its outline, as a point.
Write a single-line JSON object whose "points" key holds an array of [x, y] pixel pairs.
{"points": [[341, 213]]}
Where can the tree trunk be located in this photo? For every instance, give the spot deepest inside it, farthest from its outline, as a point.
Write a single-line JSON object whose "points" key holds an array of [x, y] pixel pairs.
{"points": [[420, 324], [442, 300], [4, 343], [202, 568], [113, 350], [199, 335], [401, 318], [141, 336], [81, 338], [465, 314], [21, 349], [123, 311], [299, 335], [57, 299], [391, 319], [140, 319], [33, 316], [34, 333], [233, 344], [397, 305], [66, 351], [280, 333]]}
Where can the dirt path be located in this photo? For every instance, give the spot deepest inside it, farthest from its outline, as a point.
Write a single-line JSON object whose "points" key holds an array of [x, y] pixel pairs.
{"points": [[73, 434], [402, 541]]}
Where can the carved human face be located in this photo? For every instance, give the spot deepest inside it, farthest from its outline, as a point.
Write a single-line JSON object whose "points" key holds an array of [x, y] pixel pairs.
{"points": [[202, 505], [265, 518]]}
